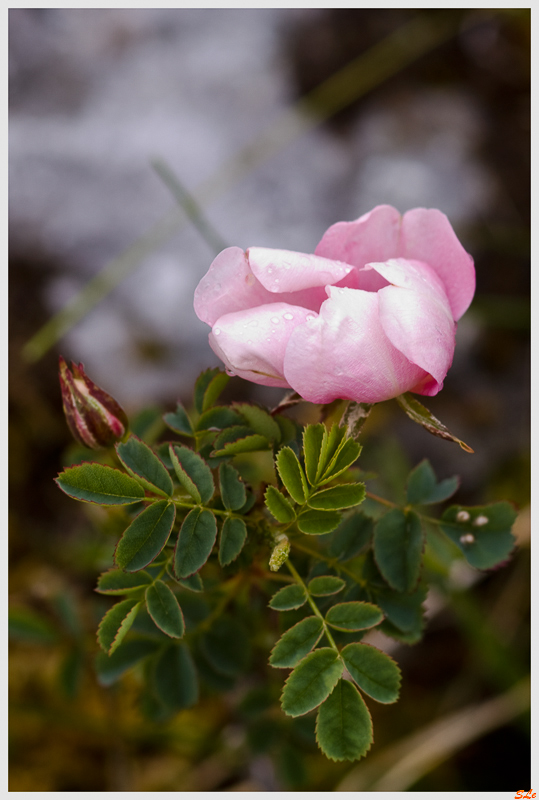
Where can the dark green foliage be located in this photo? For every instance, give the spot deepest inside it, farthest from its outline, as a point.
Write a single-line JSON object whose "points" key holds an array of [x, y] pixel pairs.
{"points": [[115, 624], [110, 668], [373, 671], [144, 466], [296, 642], [423, 488], [227, 646], [232, 487], [317, 522], [96, 483], [144, 539], [279, 506], [292, 474], [116, 581], [398, 548], [311, 681], [482, 533], [193, 473], [164, 609], [351, 537], [174, 679], [233, 537], [288, 597], [179, 421], [354, 616], [325, 585], [195, 542], [208, 387]]}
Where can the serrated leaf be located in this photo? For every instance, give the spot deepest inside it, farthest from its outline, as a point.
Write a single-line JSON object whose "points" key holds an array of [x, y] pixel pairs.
{"points": [[418, 413], [292, 474], [144, 539], [96, 483], [208, 387], [482, 533], [110, 668], [195, 542], [238, 439], [260, 421], [317, 522], [193, 473], [278, 505], [143, 465], [347, 453], [374, 671], [115, 624], [423, 488], [174, 678], [218, 418], [344, 725], [288, 597], [233, 493], [164, 609], [314, 437], [311, 682], [354, 616], [226, 646], [344, 495], [179, 421], [233, 537], [351, 537], [116, 581], [325, 585], [398, 548], [332, 444], [193, 582], [296, 642], [288, 428]]}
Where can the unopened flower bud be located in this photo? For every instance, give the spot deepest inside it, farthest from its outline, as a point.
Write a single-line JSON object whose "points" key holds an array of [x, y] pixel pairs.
{"points": [[280, 553], [94, 417]]}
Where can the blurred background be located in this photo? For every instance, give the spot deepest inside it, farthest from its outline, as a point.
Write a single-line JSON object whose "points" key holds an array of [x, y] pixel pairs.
{"points": [[279, 122]]}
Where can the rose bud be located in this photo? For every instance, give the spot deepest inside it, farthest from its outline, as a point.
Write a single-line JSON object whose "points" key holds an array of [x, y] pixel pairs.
{"points": [[94, 417], [370, 315]]}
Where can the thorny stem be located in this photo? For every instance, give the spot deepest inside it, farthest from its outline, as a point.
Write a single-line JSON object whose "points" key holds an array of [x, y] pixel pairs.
{"points": [[295, 574]]}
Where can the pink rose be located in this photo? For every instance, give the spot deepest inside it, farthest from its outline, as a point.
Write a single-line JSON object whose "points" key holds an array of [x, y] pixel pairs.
{"points": [[370, 315]]}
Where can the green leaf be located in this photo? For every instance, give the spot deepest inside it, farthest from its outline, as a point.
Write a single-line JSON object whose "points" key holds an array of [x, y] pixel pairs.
{"points": [[483, 533], [278, 505], [317, 522], [373, 671], [193, 582], [296, 642], [418, 413], [28, 626], [164, 609], [343, 459], [195, 542], [174, 678], [398, 548], [344, 495], [146, 536], [238, 439], [344, 725], [226, 646], [208, 387], [233, 537], [354, 616], [110, 668], [351, 537], [115, 624], [193, 473], [96, 483], [259, 421], [288, 597], [311, 681], [292, 474], [405, 611], [313, 440], [289, 428], [423, 487], [142, 463], [233, 493], [218, 418], [325, 585], [179, 421], [115, 581]]}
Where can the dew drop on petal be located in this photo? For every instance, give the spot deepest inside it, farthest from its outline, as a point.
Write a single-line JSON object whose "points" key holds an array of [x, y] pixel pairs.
{"points": [[275, 321], [309, 317], [480, 520], [467, 538], [463, 516], [217, 331], [288, 316], [230, 372]]}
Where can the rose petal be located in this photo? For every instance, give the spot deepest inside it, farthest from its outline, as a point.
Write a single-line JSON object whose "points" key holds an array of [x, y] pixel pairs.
{"points": [[252, 342], [427, 236], [372, 237], [285, 271], [416, 317], [345, 353]]}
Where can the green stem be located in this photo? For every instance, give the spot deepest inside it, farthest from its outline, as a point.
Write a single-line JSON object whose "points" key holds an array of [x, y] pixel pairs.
{"points": [[331, 562], [297, 577]]}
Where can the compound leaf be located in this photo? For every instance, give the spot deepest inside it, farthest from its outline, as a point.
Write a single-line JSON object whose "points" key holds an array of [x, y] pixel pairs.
{"points": [[296, 642], [311, 681], [344, 495], [344, 725], [144, 539], [374, 671]]}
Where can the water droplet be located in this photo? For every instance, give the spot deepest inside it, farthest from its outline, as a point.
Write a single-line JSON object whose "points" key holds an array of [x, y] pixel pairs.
{"points": [[467, 538], [217, 331], [309, 317], [273, 330], [270, 270], [275, 320], [463, 516], [288, 316], [230, 372], [480, 520]]}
